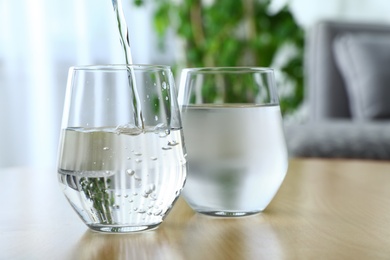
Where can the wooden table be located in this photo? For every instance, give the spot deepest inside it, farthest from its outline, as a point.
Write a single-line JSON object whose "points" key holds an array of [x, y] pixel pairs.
{"points": [[328, 209]]}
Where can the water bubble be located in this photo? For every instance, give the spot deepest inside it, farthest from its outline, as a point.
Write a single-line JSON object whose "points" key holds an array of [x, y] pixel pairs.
{"points": [[162, 130], [116, 207], [150, 189], [141, 211], [148, 192], [135, 193], [166, 98], [137, 153], [138, 160], [137, 178], [160, 127], [128, 129], [167, 148], [153, 158], [130, 172], [173, 143], [162, 134], [147, 96], [106, 148], [129, 158], [164, 85], [126, 196], [156, 118], [157, 213]]}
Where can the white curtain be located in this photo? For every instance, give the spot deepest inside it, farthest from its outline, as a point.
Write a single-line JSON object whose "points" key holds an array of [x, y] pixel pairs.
{"points": [[39, 41]]}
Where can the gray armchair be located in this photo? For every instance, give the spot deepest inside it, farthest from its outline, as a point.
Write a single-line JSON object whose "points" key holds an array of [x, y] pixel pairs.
{"points": [[348, 93]]}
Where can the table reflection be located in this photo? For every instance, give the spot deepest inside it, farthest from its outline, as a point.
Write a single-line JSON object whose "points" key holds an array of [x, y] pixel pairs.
{"points": [[230, 238], [144, 245]]}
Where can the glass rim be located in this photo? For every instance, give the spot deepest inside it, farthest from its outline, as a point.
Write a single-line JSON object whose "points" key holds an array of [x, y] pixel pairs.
{"points": [[226, 69], [116, 67]]}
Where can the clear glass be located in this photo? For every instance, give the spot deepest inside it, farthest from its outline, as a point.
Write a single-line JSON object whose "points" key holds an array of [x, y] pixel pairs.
{"points": [[235, 142], [122, 160]]}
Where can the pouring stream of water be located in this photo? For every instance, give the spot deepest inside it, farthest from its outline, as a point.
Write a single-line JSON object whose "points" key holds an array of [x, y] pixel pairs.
{"points": [[123, 30], [125, 42]]}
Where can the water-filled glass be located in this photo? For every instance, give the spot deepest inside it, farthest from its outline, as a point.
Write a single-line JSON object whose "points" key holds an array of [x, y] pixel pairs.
{"points": [[235, 142], [122, 161]]}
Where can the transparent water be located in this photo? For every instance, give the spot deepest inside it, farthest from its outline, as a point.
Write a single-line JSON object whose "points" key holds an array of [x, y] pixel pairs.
{"points": [[130, 180], [237, 158]]}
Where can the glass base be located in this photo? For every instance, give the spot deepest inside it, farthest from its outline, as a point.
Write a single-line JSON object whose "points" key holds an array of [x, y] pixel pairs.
{"points": [[122, 229], [228, 213]]}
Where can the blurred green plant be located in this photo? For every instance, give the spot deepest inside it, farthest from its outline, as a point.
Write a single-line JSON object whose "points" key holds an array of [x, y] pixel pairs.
{"points": [[95, 189], [236, 33]]}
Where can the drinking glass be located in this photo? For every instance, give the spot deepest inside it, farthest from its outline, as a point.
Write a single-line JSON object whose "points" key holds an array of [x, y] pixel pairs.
{"points": [[235, 142], [122, 158]]}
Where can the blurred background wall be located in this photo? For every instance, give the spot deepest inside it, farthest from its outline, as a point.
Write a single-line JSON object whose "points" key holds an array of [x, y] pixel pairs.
{"points": [[41, 39]]}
